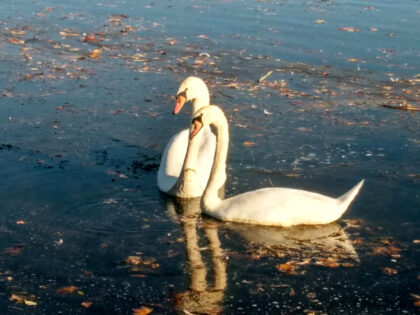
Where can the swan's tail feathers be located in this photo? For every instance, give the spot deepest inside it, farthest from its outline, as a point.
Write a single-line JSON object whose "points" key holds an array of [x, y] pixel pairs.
{"points": [[346, 199]]}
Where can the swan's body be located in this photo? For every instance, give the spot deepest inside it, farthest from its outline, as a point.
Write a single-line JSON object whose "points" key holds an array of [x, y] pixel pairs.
{"points": [[198, 158], [268, 206]]}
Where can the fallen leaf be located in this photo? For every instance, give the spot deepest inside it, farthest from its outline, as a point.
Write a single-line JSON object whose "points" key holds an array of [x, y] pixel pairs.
{"points": [[288, 268], [133, 260], [144, 310], [389, 271], [13, 251], [349, 29], [265, 76], [69, 33], [328, 263], [20, 222], [320, 21], [380, 251], [414, 176], [348, 265], [16, 41], [67, 290], [249, 143], [30, 303], [86, 304], [95, 54], [352, 60]]}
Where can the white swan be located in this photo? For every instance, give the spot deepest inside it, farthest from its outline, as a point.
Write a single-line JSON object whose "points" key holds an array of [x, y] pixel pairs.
{"points": [[198, 161], [268, 206]]}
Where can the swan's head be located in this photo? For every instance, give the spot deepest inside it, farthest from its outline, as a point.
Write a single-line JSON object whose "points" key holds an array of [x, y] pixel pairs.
{"points": [[206, 116], [192, 89]]}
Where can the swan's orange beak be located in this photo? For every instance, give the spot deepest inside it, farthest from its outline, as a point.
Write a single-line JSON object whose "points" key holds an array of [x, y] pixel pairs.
{"points": [[197, 125], [180, 101]]}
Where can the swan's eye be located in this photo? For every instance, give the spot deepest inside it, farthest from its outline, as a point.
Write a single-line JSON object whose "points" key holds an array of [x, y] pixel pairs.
{"points": [[198, 118], [183, 94]]}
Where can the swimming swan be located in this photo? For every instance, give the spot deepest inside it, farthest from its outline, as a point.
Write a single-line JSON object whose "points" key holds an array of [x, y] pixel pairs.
{"points": [[267, 206], [198, 161]]}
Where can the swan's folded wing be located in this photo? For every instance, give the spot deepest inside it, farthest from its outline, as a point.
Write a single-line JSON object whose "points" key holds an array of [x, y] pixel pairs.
{"points": [[172, 160], [278, 206]]}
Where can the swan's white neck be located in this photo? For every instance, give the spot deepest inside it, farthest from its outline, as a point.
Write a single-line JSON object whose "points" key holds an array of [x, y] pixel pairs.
{"points": [[203, 99], [210, 198], [186, 184]]}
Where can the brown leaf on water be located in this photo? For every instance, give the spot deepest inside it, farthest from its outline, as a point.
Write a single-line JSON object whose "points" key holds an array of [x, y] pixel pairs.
{"points": [[20, 222], [95, 54], [414, 176], [349, 29], [23, 298], [358, 241], [380, 251], [30, 303], [288, 268], [86, 304], [249, 143], [328, 263], [389, 271], [69, 33], [13, 251], [416, 241], [133, 260], [16, 41], [144, 310], [348, 265], [67, 290], [352, 60]]}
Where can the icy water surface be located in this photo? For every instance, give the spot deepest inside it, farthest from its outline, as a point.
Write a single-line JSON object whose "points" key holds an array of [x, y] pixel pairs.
{"points": [[86, 93]]}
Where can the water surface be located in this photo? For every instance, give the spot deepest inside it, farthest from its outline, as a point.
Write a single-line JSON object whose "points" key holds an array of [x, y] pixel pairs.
{"points": [[86, 93]]}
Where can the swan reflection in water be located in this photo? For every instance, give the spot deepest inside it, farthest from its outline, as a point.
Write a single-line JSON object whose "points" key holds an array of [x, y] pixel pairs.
{"points": [[201, 296], [306, 243]]}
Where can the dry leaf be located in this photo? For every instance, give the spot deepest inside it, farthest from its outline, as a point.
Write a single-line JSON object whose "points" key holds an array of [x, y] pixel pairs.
{"points": [[389, 271], [95, 54], [30, 303], [13, 251], [265, 76], [20, 222], [249, 143], [144, 310], [69, 33], [133, 260], [67, 290], [86, 304], [349, 29], [16, 41], [328, 263]]}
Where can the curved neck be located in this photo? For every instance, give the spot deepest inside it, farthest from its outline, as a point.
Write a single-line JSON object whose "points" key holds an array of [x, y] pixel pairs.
{"points": [[210, 197], [203, 99]]}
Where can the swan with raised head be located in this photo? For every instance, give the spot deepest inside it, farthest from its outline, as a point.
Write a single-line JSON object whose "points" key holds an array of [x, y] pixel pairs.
{"points": [[185, 168], [267, 206]]}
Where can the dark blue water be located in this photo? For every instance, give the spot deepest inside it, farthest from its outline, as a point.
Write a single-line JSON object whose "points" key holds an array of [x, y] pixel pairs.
{"points": [[84, 122]]}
